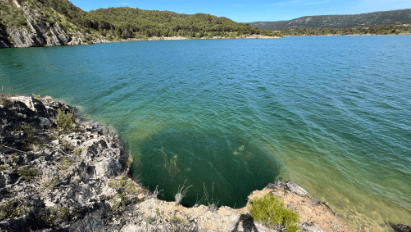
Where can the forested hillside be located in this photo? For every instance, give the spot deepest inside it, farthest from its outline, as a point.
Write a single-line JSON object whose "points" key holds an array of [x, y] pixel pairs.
{"points": [[397, 29], [340, 21], [27, 23], [128, 22]]}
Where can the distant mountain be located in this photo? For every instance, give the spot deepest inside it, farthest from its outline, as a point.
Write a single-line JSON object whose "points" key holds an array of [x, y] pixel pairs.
{"points": [[339, 21]]}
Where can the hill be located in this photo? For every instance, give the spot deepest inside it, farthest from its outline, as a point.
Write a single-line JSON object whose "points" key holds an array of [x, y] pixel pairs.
{"points": [[33, 23], [340, 21]]}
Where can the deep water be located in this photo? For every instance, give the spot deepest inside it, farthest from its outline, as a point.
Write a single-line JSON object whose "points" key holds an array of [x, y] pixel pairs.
{"points": [[226, 117]]}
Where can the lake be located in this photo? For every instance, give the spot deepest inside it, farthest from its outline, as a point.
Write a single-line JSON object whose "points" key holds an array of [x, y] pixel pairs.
{"points": [[227, 117]]}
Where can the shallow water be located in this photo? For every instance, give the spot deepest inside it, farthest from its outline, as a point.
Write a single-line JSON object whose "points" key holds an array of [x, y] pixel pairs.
{"points": [[229, 116]]}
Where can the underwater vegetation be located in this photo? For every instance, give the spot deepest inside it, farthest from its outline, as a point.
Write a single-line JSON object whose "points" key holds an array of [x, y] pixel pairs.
{"points": [[232, 165]]}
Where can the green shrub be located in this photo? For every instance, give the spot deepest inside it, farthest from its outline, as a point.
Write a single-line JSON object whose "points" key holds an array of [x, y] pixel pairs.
{"points": [[28, 173], [38, 97], [51, 21], [4, 167], [77, 151], [51, 184], [270, 210], [66, 146], [65, 214], [6, 102], [64, 121], [65, 160], [12, 209], [52, 137], [31, 142]]}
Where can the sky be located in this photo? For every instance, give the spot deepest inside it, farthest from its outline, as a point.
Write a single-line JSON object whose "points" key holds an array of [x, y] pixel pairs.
{"points": [[255, 10]]}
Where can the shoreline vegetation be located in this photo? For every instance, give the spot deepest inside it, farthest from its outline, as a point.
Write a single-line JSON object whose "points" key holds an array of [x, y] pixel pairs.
{"points": [[398, 29], [202, 38]]}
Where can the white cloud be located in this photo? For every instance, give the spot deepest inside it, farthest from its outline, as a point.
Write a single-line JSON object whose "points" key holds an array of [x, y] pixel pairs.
{"points": [[283, 3], [314, 3]]}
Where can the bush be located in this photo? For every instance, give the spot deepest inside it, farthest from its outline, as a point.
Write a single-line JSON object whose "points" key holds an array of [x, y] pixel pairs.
{"points": [[64, 121], [51, 21], [6, 102], [28, 173], [31, 142], [66, 146], [270, 210], [12, 209]]}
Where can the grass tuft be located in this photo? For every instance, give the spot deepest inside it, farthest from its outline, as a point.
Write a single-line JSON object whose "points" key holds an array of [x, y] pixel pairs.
{"points": [[52, 137], [205, 200], [38, 97], [181, 193], [51, 184], [28, 173], [270, 210]]}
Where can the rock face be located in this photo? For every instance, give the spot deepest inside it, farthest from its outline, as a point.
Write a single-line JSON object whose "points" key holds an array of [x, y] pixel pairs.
{"points": [[39, 32], [4, 41], [79, 179], [51, 177]]}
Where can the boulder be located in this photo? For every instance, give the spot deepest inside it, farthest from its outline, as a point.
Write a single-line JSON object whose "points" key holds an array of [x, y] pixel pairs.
{"points": [[402, 228]]}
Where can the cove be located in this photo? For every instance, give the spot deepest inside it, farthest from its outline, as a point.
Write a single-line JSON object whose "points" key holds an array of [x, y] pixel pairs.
{"points": [[227, 168]]}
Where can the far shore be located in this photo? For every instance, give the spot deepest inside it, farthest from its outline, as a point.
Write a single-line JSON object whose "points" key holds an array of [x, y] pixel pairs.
{"points": [[347, 35], [154, 38]]}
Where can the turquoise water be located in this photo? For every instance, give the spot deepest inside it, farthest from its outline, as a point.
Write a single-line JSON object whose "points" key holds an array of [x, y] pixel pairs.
{"points": [[229, 116]]}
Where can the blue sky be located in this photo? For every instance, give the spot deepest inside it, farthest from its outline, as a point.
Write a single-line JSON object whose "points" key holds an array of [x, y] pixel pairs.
{"points": [[257, 10]]}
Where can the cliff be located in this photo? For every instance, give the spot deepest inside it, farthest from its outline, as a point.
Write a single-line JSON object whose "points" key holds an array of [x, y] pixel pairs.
{"points": [[26, 24]]}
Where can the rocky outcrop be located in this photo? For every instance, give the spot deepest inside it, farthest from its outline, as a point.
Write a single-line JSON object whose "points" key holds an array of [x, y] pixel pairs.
{"points": [[402, 228], [55, 176], [51, 178], [39, 32], [4, 40]]}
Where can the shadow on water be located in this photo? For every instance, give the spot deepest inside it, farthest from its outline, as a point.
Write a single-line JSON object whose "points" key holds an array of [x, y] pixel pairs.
{"points": [[225, 167]]}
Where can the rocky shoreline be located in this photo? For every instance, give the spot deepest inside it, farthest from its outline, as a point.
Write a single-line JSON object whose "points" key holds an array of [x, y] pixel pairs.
{"points": [[59, 173]]}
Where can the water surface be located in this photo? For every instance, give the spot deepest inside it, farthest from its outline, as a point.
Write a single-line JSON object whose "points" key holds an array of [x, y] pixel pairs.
{"points": [[229, 116]]}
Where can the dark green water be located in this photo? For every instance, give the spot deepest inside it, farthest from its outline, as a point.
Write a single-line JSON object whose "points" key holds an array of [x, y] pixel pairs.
{"points": [[330, 113]]}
